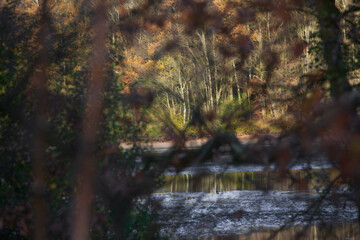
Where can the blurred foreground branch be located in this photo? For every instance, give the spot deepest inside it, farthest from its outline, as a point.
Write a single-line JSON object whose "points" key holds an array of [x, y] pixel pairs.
{"points": [[91, 122]]}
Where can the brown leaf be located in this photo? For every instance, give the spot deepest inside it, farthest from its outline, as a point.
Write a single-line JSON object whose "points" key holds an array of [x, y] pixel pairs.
{"points": [[210, 115], [271, 59], [298, 48], [302, 185], [282, 12], [245, 15], [226, 51], [283, 157], [194, 14], [24, 229], [238, 214], [244, 45]]}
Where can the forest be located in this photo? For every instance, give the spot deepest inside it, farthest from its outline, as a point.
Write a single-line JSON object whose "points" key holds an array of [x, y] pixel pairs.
{"points": [[87, 87]]}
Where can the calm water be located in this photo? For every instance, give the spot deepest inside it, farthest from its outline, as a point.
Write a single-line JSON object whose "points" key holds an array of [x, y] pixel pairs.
{"points": [[215, 203]]}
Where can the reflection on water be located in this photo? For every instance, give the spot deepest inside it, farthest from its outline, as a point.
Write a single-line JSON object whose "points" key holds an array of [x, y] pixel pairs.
{"points": [[231, 204], [349, 231], [218, 182]]}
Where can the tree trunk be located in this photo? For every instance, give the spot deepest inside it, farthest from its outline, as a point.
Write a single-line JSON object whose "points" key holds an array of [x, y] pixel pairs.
{"points": [[208, 66], [329, 18]]}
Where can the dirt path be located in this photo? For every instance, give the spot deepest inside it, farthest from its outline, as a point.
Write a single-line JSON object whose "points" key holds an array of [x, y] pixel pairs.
{"points": [[162, 146]]}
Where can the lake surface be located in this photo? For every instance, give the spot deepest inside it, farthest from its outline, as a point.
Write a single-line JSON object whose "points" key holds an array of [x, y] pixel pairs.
{"points": [[218, 202]]}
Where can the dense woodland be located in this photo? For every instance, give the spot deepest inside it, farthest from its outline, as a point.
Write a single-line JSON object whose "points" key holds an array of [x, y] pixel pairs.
{"points": [[78, 78]]}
